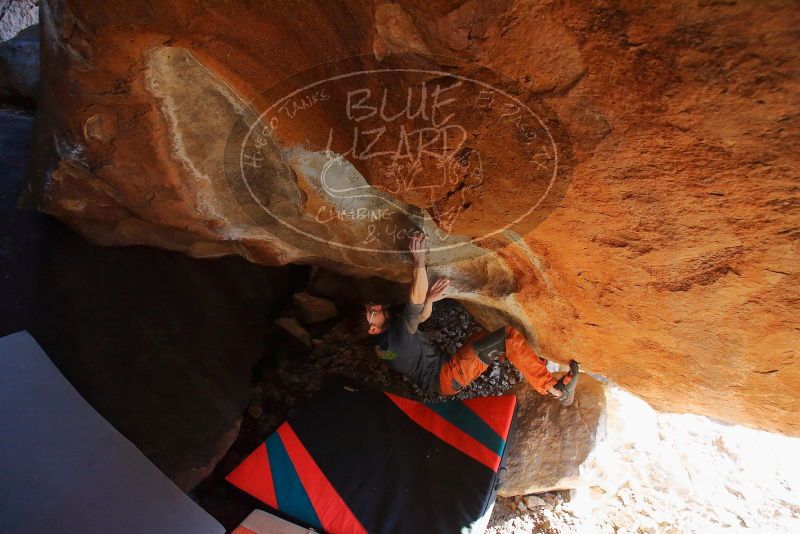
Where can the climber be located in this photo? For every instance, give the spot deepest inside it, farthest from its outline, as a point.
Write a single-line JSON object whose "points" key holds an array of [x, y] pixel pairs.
{"points": [[407, 351]]}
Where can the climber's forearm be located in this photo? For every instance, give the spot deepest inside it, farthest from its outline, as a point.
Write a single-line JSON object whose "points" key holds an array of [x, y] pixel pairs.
{"points": [[426, 310], [419, 283]]}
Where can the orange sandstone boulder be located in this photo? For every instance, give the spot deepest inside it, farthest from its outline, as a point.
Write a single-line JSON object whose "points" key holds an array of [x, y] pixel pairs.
{"points": [[620, 182]]}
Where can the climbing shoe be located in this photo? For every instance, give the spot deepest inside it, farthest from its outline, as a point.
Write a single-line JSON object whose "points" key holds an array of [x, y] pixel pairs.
{"points": [[567, 383]]}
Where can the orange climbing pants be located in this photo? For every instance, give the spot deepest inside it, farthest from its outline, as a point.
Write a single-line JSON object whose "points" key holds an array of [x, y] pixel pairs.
{"points": [[465, 365]]}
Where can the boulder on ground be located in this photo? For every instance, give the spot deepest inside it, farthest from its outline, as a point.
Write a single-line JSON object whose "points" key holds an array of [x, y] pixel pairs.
{"points": [[297, 333], [550, 442], [19, 69], [314, 309]]}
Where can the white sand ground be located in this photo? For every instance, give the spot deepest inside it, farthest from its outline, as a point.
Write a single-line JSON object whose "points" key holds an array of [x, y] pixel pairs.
{"points": [[672, 473]]}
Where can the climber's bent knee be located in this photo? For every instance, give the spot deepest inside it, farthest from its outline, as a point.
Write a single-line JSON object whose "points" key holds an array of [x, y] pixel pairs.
{"points": [[491, 346]]}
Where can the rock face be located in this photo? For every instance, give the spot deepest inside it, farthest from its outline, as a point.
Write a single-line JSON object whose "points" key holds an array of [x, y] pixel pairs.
{"points": [[550, 442], [620, 182]]}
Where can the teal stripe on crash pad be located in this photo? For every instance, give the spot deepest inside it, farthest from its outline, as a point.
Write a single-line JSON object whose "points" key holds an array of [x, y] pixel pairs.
{"points": [[292, 497], [471, 423]]}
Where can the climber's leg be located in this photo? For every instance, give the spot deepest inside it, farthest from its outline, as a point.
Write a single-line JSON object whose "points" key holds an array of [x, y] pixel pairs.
{"points": [[481, 349], [534, 369], [467, 363]]}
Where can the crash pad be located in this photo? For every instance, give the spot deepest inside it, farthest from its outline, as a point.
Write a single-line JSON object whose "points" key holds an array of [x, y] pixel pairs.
{"points": [[356, 459]]}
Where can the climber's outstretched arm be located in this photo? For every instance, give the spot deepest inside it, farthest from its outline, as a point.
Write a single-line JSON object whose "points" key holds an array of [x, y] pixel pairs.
{"points": [[419, 276], [435, 293]]}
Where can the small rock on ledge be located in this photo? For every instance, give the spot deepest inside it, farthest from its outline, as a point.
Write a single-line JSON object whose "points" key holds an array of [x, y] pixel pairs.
{"points": [[295, 330], [314, 309]]}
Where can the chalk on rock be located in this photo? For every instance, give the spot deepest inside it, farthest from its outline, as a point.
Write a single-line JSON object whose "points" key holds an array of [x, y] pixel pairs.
{"points": [[314, 309]]}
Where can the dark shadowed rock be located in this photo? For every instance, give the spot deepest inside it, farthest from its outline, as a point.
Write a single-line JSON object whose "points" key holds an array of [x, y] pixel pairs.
{"points": [[314, 309], [348, 290], [19, 69], [162, 345], [21, 230], [294, 330]]}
